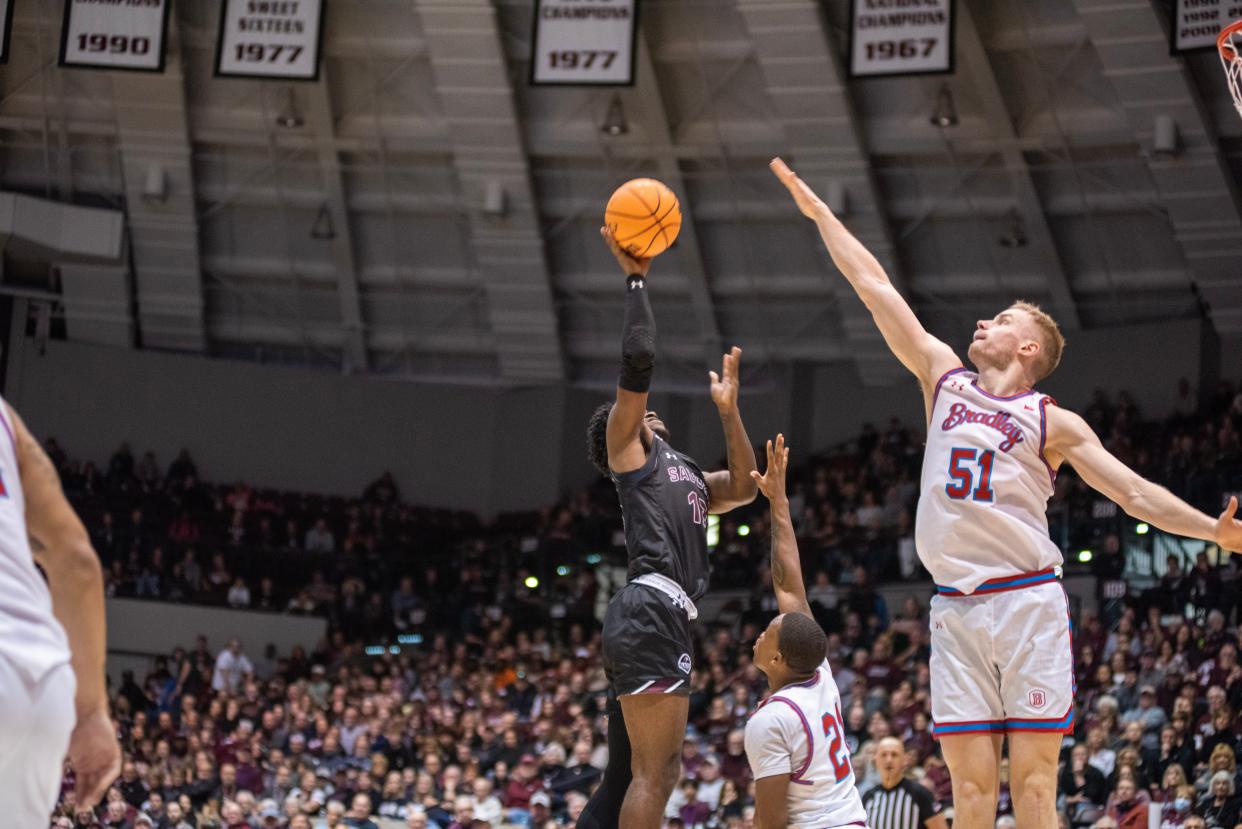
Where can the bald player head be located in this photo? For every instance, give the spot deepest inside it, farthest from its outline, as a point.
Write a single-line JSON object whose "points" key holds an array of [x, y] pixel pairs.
{"points": [[890, 761]]}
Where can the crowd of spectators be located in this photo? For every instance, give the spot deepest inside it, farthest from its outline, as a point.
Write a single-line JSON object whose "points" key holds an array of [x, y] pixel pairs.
{"points": [[496, 717]]}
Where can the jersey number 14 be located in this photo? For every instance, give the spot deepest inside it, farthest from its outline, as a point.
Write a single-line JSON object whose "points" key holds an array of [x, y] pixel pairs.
{"points": [[962, 463]]}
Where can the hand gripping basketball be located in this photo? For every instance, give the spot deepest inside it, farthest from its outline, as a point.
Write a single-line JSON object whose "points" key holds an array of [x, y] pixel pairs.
{"points": [[630, 265], [645, 217]]}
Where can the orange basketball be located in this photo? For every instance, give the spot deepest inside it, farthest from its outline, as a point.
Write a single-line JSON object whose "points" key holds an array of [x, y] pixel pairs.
{"points": [[645, 217]]}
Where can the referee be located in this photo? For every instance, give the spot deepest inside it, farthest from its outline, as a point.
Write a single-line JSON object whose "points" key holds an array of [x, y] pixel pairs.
{"points": [[898, 803]]}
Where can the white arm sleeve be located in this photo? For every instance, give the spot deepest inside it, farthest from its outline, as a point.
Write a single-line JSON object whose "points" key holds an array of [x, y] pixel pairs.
{"points": [[768, 747]]}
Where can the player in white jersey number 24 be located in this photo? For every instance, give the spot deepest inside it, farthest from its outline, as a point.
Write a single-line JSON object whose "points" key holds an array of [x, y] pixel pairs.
{"points": [[1001, 662], [795, 741]]}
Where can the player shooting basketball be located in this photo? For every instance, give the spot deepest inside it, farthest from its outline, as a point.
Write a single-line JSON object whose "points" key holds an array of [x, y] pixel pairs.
{"points": [[1001, 662], [665, 499]]}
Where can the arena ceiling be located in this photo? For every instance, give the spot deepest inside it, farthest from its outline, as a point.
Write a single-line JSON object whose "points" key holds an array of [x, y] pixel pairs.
{"points": [[343, 222]]}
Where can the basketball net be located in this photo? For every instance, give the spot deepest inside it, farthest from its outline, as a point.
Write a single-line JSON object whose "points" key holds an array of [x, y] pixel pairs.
{"points": [[1229, 43]]}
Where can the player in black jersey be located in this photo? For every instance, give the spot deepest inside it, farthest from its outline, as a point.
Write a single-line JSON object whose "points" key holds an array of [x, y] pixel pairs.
{"points": [[665, 500]]}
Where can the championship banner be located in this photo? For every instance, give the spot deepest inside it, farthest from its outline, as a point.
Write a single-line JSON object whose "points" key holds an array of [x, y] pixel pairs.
{"points": [[900, 37], [111, 34], [270, 39], [6, 27], [1196, 23], [584, 42]]}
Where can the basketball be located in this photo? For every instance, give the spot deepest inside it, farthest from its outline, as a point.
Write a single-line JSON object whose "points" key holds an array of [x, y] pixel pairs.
{"points": [[644, 216]]}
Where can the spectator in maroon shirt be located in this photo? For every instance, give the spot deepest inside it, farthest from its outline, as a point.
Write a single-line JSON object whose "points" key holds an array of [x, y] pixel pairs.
{"points": [[523, 783], [733, 764]]}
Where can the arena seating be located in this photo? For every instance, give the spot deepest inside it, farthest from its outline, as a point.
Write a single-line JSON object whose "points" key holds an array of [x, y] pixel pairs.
{"points": [[501, 722]]}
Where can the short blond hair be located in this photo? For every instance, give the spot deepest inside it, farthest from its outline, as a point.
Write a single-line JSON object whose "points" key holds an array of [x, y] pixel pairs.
{"points": [[1053, 341]]}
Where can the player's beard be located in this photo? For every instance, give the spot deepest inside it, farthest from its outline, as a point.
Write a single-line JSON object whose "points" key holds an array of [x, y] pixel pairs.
{"points": [[981, 355]]}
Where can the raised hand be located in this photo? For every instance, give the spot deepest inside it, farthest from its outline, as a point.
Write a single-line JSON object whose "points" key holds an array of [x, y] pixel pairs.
{"points": [[1229, 528], [629, 264], [95, 755], [724, 386], [810, 204], [772, 482]]}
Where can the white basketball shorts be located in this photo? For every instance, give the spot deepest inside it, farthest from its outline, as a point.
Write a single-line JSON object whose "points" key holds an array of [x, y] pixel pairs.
{"points": [[1001, 658], [35, 724]]}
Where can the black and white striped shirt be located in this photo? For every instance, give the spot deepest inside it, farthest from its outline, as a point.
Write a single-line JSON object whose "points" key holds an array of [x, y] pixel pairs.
{"points": [[905, 806]]}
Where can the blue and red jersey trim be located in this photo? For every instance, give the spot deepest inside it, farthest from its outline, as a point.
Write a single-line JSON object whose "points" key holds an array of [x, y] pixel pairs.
{"points": [[1043, 434], [797, 776], [940, 382], [1004, 584], [998, 397]]}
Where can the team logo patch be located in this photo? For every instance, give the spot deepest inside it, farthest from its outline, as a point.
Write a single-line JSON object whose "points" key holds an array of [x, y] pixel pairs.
{"points": [[684, 663], [1038, 698]]}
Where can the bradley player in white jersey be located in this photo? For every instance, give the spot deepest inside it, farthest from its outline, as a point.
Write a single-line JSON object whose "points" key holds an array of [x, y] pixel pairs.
{"points": [[795, 741], [1001, 663], [52, 696]]}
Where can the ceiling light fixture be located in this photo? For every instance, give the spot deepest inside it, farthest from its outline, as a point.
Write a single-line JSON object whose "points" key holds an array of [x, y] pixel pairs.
{"points": [[1015, 235], [614, 121], [946, 112], [290, 116], [323, 229]]}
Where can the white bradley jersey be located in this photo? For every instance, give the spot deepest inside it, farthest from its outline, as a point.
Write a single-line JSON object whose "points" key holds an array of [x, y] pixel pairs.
{"points": [[985, 487], [30, 637], [798, 731]]}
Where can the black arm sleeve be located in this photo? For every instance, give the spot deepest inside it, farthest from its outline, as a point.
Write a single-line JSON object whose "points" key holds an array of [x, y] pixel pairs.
{"points": [[637, 338]]}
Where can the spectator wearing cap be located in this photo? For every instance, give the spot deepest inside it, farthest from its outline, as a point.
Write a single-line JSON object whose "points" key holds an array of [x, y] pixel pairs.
{"points": [[540, 810], [711, 783], [268, 815], [1148, 672], [523, 783], [1148, 712]]}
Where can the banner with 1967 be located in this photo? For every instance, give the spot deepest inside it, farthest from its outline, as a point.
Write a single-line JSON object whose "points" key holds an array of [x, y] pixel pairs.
{"points": [[901, 37]]}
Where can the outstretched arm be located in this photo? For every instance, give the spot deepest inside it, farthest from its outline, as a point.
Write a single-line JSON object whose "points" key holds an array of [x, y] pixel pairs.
{"points": [[1070, 439], [925, 356], [786, 566], [625, 422], [732, 487], [75, 580]]}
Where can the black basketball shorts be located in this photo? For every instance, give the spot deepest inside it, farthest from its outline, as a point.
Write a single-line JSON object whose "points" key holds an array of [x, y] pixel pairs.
{"points": [[646, 643]]}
